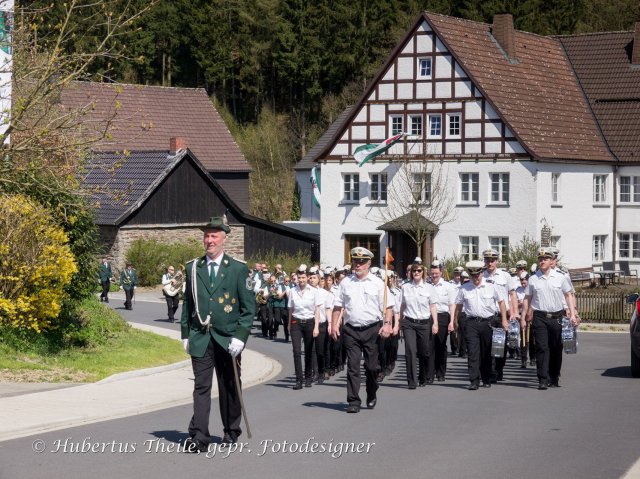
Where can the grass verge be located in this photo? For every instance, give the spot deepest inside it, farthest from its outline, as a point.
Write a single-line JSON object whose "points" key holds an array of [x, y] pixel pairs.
{"points": [[99, 345]]}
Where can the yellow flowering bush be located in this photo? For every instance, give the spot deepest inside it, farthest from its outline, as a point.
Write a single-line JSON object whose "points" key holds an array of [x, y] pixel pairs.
{"points": [[36, 264]]}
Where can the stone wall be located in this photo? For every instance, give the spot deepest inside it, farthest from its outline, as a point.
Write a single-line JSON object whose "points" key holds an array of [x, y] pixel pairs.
{"points": [[117, 242]]}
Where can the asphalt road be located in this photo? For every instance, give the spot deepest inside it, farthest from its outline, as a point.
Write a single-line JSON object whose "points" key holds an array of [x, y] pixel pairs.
{"points": [[588, 428]]}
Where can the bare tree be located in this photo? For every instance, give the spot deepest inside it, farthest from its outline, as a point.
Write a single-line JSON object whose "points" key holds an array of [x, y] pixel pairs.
{"points": [[419, 199], [43, 144]]}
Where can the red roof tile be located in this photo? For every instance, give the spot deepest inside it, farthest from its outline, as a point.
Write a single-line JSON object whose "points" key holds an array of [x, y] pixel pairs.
{"points": [[537, 96], [148, 116]]}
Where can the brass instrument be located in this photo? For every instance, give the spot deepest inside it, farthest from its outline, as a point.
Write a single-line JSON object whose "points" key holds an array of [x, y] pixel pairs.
{"points": [[260, 299], [175, 286]]}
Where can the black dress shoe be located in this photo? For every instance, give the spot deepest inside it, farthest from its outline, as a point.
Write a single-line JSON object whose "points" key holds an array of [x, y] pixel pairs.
{"points": [[542, 384], [412, 386], [473, 387], [308, 383], [380, 377], [441, 380], [352, 408], [523, 366], [422, 384], [500, 377], [371, 402], [554, 383], [430, 381], [195, 446], [229, 438], [320, 380], [298, 385], [486, 385]]}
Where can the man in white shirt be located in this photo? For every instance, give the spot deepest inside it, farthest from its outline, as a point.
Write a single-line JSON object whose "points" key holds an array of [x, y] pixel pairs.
{"points": [[549, 295], [361, 296], [481, 302], [446, 294]]}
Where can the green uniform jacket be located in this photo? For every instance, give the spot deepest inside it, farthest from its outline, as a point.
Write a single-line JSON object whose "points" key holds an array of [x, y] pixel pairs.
{"points": [[105, 272], [128, 280], [228, 301]]}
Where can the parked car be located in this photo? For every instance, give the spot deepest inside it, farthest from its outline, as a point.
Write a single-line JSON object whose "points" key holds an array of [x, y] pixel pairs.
{"points": [[634, 329]]}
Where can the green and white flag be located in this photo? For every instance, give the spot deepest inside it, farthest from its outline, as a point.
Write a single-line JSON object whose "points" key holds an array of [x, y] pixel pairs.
{"points": [[364, 153], [315, 183]]}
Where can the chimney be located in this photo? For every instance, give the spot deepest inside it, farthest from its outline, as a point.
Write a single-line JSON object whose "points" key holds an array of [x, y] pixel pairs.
{"points": [[502, 30], [635, 48], [177, 143]]}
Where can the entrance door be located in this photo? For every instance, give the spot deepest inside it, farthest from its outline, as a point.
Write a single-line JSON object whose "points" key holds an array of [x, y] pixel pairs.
{"points": [[404, 250]]}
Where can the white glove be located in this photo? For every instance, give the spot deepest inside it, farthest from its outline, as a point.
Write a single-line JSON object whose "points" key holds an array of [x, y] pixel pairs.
{"points": [[235, 347], [121, 287], [185, 345]]}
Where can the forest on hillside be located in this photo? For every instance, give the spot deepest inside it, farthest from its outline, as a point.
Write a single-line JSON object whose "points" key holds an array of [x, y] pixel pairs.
{"points": [[280, 71]]}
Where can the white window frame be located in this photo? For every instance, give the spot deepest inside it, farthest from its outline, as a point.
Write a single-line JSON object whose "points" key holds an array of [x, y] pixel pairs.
{"points": [[630, 250], [502, 180], [501, 245], [450, 117], [392, 128], [416, 126], [599, 189], [421, 186], [473, 180], [632, 196], [598, 248], [469, 247], [378, 188], [430, 67], [350, 188], [555, 188], [431, 120]]}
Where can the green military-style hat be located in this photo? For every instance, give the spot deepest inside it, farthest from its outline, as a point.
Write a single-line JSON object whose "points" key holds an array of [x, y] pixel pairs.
{"points": [[217, 223]]}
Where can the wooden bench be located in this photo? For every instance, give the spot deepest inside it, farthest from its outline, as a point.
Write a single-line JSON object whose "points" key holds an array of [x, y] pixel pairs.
{"points": [[580, 275]]}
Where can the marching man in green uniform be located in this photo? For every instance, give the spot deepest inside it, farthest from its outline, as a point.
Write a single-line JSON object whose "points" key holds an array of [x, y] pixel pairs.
{"points": [[128, 282], [217, 313], [104, 271]]}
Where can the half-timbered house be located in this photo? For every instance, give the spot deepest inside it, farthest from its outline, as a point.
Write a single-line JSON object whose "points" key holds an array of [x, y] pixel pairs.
{"points": [[501, 116]]}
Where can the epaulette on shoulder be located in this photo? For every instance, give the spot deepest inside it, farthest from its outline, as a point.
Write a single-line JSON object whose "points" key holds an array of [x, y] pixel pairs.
{"points": [[237, 259]]}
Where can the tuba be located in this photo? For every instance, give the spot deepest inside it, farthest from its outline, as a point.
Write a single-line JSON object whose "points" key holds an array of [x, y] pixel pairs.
{"points": [[175, 286], [260, 299]]}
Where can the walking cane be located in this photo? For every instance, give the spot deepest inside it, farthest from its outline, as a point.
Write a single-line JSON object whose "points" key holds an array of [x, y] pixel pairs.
{"points": [[239, 391]]}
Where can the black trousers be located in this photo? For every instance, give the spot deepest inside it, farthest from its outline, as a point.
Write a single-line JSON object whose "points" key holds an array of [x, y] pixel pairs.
{"points": [[478, 335], [320, 345], [264, 314], [277, 317], [360, 343], [302, 333], [548, 338], [172, 305], [437, 364], [230, 411], [104, 296], [128, 296], [417, 347], [335, 352], [387, 354], [462, 320]]}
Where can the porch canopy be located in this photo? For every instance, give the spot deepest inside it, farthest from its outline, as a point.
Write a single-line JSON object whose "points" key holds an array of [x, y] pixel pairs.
{"points": [[409, 222]]}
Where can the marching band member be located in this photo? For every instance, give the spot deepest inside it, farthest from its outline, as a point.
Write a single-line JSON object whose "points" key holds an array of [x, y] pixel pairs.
{"points": [[480, 301], [445, 294], [128, 282], [304, 313], [547, 294], [321, 328], [173, 302], [277, 302], [456, 282], [361, 298], [418, 319]]}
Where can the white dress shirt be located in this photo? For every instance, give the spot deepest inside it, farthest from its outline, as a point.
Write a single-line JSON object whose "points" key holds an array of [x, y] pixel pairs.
{"points": [[502, 281], [547, 292], [362, 299], [446, 295], [479, 301], [417, 299], [327, 302], [302, 303]]}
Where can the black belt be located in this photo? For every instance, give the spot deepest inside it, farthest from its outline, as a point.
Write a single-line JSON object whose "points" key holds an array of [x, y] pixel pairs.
{"points": [[554, 315], [303, 321], [479, 319], [417, 321], [362, 328]]}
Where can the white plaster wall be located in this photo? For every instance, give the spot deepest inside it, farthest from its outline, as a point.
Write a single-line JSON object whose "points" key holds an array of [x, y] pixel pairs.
{"points": [[576, 220], [484, 221]]}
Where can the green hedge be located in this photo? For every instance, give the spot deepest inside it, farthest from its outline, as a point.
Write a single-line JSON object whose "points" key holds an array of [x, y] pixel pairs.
{"points": [[150, 258]]}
